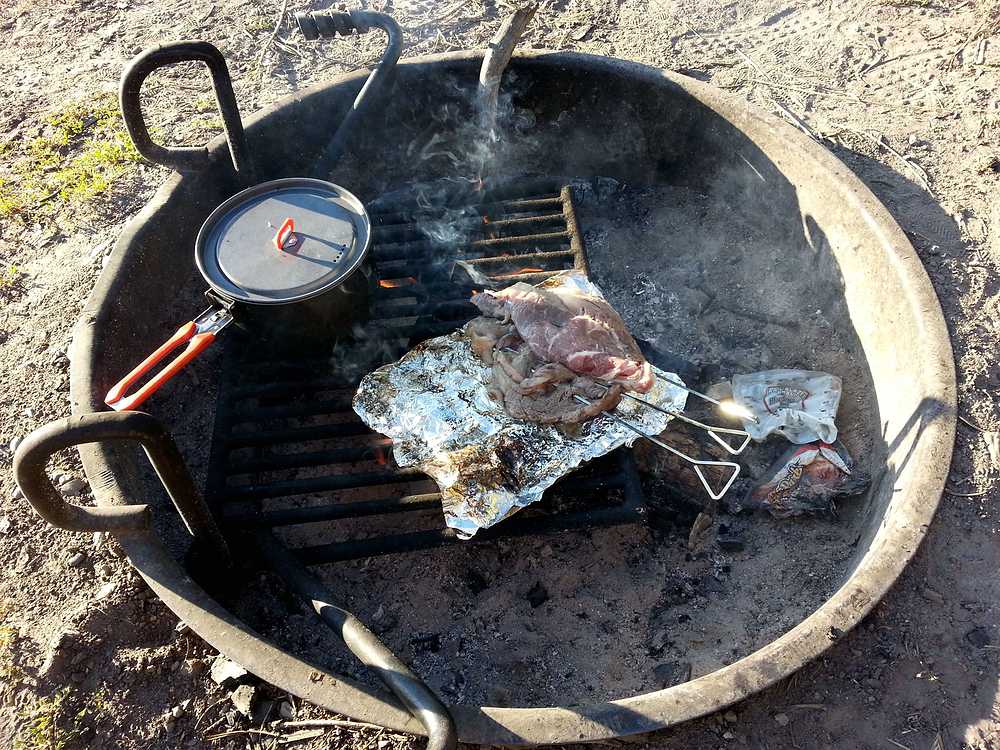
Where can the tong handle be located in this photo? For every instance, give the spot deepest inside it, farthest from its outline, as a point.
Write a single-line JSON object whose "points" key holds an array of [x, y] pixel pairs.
{"points": [[704, 480], [713, 433]]}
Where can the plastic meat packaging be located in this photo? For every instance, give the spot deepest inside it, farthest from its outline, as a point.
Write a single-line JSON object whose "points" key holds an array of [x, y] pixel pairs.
{"points": [[806, 479], [799, 404], [434, 405]]}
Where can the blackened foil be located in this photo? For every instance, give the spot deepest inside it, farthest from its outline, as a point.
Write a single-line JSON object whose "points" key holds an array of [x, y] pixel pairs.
{"points": [[434, 405]]}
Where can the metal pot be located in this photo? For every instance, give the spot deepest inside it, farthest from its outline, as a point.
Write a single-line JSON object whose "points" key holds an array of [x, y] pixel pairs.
{"points": [[286, 260]]}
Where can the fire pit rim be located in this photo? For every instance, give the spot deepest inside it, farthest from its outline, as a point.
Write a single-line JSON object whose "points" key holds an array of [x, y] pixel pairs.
{"points": [[876, 571]]}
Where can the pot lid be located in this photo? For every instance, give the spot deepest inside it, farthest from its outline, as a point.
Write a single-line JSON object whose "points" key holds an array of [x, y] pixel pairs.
{"points": [[283, 241]]}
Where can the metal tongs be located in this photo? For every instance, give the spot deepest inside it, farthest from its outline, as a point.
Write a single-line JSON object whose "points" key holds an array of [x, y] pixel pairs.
{"points": [[713, 431]]}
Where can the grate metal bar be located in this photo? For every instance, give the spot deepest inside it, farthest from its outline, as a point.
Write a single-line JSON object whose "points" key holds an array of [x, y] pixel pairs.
{"points": [[414, 541], [418, 215], [286, 388], [292, 487], [266, 408], [294, 435], [290, 516], [374, 451]]}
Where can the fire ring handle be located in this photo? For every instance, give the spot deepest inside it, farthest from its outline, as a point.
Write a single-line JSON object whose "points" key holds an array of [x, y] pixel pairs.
{"points": [[34, 452], [328, 24], [187, 158]]}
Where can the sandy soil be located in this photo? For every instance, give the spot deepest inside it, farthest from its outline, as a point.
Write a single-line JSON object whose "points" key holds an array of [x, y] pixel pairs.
{"points": [[904, 92]]}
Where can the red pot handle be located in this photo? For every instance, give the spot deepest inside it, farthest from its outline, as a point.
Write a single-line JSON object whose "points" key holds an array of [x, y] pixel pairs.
{"points": [[286, 234], [198, 333]]}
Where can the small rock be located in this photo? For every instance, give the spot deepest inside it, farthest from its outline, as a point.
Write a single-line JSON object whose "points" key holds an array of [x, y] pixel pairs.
{"points": [[728, 736], [385, 624], [263, 712], [16, 494], [423, 644], [76, 560], [105, 591], [730, 543], [286, 710], [181, 627], [194, 667], [14, 442], [978, 637], [781, 720], [931, 595], [227, 673], [99, 538], [74, 486], [104, 570], [177, 712], [243, 699], [672, 674], [4, 524], [476, 581], [537, 595], [730, 717]]}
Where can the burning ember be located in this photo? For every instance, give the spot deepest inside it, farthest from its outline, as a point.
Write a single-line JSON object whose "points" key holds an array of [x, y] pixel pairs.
{"points": [[529, 270], [396, 283]]}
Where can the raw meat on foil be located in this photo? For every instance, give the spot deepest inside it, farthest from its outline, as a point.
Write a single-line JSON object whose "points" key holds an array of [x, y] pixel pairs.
{"points": [[566, 326]]}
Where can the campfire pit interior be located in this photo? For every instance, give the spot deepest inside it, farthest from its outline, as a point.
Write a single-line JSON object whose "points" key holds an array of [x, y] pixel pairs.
{"points": [[795, 262]]}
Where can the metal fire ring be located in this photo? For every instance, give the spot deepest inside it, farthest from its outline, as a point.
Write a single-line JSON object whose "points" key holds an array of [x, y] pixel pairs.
{"points": [[923, 447]]}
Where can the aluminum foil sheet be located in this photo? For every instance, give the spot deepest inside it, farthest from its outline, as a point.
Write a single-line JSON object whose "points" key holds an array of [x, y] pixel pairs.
{"points": [[434, 405]]}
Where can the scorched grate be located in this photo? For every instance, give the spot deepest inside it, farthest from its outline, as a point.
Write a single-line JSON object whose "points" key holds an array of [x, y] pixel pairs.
{"points": [[278, 420]]}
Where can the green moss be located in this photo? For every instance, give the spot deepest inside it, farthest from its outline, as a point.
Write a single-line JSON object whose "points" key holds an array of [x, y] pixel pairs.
{"points": [[11, 199], [53, 724], [208, 123], [204, 104], [260, 24], [82, 152], [49, 726], [9, 671], [9, 277]]}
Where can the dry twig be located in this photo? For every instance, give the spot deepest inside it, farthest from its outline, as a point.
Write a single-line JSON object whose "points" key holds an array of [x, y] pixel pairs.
{"points": [[327, 723], [205, 712], [259, 66], [495, 62]]}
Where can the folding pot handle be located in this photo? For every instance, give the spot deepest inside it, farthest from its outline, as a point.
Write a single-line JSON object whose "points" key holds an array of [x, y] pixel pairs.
{"points": [[198, 334], [183, 159]]}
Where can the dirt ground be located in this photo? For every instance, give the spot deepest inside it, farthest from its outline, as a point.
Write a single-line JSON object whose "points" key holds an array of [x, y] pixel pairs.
{"points": [[905, 92]]}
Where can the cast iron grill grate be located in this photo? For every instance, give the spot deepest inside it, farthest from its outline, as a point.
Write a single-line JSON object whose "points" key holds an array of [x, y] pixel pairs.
{"points": [[289, 450]]}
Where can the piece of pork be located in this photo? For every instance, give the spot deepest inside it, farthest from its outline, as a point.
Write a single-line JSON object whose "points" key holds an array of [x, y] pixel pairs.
{"points": [[486, 334], [544, 392], [580, 331]]}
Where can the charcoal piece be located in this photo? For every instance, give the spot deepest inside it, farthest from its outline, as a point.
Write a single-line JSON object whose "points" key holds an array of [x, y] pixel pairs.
{"points": [[730, 543], [537, 595], [672, 673], [424, 643]]}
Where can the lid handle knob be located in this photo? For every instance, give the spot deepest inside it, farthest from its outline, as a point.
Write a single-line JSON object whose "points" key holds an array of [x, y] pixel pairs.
{"points": [[285, 235]]}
